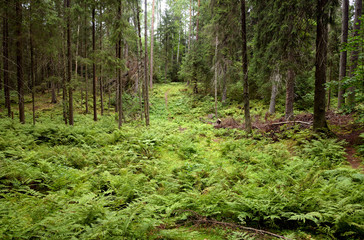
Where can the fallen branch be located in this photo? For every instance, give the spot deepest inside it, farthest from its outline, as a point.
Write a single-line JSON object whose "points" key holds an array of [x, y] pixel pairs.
{"points": [[280, 123], [204, 220]]}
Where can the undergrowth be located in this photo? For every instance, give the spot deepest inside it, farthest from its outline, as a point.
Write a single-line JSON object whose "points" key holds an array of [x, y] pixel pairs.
{"points": [[93, 181]]}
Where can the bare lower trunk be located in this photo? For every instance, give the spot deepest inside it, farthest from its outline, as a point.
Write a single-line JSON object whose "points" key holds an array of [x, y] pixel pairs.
{"points": [[190, 28], [224, 88], [140, 56], [146, 93], [32, 62], [179, 42], [343, 54], [215, 78], [120, 83], [276, 79], [69, 65], [53, 89], [319, 120], [290, 94], [94, 66], [151, 47], [6, 60], [355, 53], [101, 78], [19, 59], [248, 124]]}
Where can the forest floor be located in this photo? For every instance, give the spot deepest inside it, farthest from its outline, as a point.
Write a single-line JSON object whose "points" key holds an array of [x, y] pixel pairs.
{"points": [[184, 177]]}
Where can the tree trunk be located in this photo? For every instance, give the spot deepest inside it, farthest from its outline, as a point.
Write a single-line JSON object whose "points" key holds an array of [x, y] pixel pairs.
{"points": [[120, 83], [32, 61], [146, 93], [86, 68], [140, 56], [319, 120], [64, 69], [179, 42], [69, 63], [343, 54], [101, 79], [248, 125], [290, 90], [224, 87], [94, 65], [329, 90], [152, 47], [198, 19], [215, 78], [276, 79], [53, 90], [190, 28], [6, 59], [19, 59], [355, 54]]}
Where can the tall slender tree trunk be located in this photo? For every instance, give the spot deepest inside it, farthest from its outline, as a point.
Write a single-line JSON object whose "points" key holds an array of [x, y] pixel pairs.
{"points": [[69, 64], [343, 54], [77, 44], [19, 59], [215, 78], [6, 58], [86, 67], [101, 78], [94, 65], [198, 19], [179, 42], [248, 124], [64, 72], [355, 54], [190, 28], [146, 93], [140, 56], [319, 120], [152, 47], [32, 60], [120, 83]]}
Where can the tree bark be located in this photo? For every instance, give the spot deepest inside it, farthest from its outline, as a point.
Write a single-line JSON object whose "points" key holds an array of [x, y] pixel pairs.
{"points": [[120, 83], [343, 54], [19, 59], [276, 79], [215, 78], [69, 64], [355, 53], [101, 79], [290, 90], [319, 120], [32, 60], [152, 46], [86, 68], [190, 28], [248, 125], [140, 56], [198, 19], [64, 68], [94, 65], [146, 93], [6, 59]]}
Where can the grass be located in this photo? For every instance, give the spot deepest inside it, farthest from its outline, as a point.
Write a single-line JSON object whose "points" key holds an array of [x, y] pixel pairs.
{"points": [[93, 181]]}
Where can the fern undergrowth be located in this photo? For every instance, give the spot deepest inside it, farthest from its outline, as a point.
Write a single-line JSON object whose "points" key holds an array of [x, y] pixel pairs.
{"points": [[93, 181]]}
